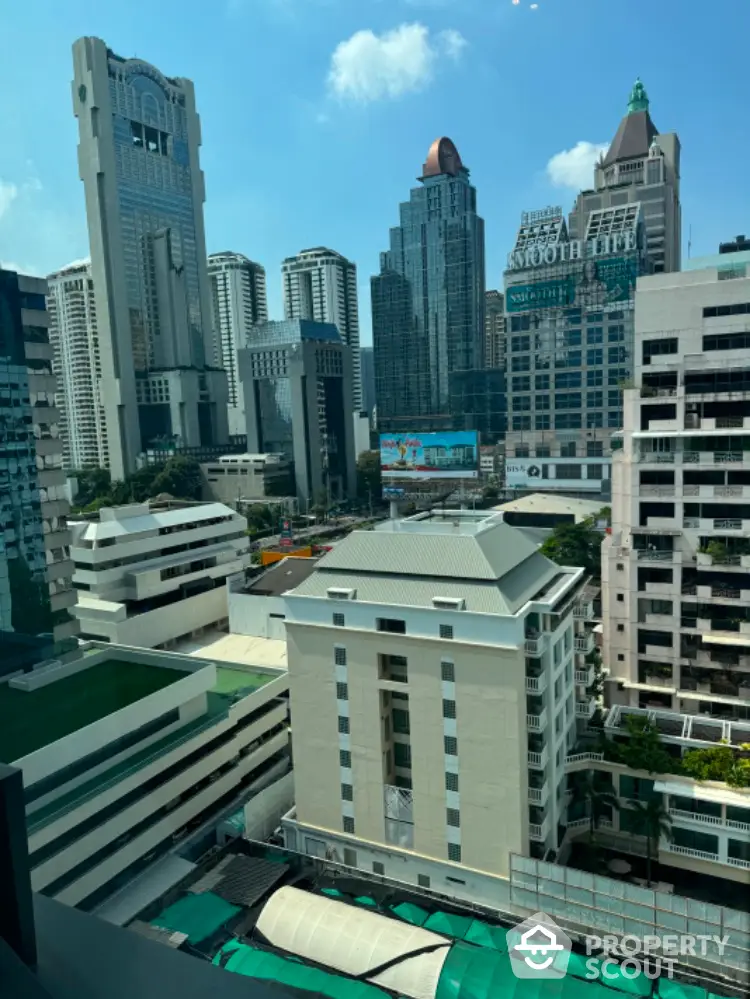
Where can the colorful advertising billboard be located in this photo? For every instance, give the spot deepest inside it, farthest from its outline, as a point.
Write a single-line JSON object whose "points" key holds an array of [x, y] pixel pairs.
{"points": [[593, 284], [430, 456]]}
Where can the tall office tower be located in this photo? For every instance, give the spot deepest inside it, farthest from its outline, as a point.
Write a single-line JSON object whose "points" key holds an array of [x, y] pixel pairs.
{"points": [[320, 284], [642, 166], [494, 330], [35, 568], [570, 308], [296, 383], [239, 302], [676, 566], [77, 366], [367, 360], [139, 135], [436, 674], [428, 300]]}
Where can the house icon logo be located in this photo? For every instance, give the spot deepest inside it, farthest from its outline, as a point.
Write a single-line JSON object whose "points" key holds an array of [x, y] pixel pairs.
{"points": [[538, 948]]}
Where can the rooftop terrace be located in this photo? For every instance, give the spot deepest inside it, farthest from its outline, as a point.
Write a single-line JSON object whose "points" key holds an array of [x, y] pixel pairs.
{"points": [[30, 720]]}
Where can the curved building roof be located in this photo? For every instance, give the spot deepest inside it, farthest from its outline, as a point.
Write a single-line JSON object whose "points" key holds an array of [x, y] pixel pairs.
{"points": [[442, 158]]}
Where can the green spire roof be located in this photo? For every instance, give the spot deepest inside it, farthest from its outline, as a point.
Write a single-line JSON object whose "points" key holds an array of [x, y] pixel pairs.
{"points": [[638, 100]]}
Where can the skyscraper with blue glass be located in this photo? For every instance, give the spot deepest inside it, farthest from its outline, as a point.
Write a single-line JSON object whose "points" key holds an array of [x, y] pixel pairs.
{"points": [[138, 158], [428, 300]]}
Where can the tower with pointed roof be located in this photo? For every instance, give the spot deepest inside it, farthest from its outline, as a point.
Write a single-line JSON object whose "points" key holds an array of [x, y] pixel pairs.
{"points": [[641, 165]]}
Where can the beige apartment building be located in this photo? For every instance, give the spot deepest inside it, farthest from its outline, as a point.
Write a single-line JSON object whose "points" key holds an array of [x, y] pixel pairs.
{"points": [[676, 567], [437, 682]]}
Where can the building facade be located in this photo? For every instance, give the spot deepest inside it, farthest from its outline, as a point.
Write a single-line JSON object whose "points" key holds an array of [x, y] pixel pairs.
{"points": [[74, 336], [436, 678], [148, 574], [238, 479], [428, 302], [367, 362], [239, 302], [297, 389], [570, 308], [494, 330], [676, 566], [139, 136], [641, 166], [321, 284], [479, 401], [35, 567]]}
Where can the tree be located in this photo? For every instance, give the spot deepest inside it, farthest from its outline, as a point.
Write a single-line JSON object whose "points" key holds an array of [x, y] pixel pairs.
{"points": [[650, 819], [92, 484], [594, 658], [643, 750], [575, 545], [725, 763], [181, 478], [596, 797], [369, 482]]}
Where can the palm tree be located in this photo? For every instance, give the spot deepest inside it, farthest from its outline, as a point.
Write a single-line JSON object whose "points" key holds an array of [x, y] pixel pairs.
{"points": [[652, 820], [596, 796]]}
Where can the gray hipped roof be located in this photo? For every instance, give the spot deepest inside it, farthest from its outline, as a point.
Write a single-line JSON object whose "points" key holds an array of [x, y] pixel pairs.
{"points": [[633, 138]]}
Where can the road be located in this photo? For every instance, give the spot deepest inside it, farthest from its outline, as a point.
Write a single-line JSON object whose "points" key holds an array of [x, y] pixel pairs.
{"points": [[317, 530]]}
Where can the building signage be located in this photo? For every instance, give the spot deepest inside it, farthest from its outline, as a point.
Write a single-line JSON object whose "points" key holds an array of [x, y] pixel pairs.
{"points": [[575, 249], [595, 284], [540, 473], [430, 456]]}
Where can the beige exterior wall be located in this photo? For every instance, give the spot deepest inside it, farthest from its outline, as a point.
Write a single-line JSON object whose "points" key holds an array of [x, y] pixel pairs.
{"points": [[490, 727]]}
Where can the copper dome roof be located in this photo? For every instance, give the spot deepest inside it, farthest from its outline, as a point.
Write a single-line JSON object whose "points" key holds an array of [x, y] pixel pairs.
{"points": [[442, 158]]}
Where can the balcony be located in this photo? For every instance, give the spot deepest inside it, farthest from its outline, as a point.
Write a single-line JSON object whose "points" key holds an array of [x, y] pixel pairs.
{"points": [[687, 851], [535, 645], [654, 555], [730, 524], [582, 761], [739, 862], [583, 610], [536, 684], [660, 620], [665, 491], [538, 761], [537, 722], [678, 815], [584, 677], [585, 709], [539, 795], [539, 832], [583, 644]]}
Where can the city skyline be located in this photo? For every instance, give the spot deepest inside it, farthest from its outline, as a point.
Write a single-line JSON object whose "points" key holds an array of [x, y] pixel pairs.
{"points": [[264, 215]]}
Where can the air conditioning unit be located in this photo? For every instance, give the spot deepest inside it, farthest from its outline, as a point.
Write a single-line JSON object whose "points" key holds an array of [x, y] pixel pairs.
{"points": [[341, 593], [449, 603]]}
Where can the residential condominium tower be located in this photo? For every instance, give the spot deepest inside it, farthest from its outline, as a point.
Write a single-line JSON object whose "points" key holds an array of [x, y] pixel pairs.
{"points": [[320, 284], [139, 135], [74, 336], [238, 298], [642, 165], [428, 301]]}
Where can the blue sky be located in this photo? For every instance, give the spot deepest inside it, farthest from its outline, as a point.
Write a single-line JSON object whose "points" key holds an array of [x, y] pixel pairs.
{"points": [[317, 114]]}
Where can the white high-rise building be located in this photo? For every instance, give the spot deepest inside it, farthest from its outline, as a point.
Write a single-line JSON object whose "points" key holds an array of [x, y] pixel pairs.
{"points": [[320, 284], [139, 139], [238, 298], [77, 365]]}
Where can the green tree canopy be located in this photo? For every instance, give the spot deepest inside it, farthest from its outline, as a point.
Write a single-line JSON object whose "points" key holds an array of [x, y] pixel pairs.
{"points": [[643, 750], [368, 475], [575, 545]]}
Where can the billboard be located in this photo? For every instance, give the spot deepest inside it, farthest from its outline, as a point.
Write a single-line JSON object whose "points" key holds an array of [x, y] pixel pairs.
{"points": [[449, 455], [593, 284], [540, 473]]}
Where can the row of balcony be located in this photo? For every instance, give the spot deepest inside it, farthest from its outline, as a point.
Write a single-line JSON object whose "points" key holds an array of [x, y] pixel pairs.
{"points": [[725, 525], [703, 458], [702, 819], [688, 851], [675, 491]]}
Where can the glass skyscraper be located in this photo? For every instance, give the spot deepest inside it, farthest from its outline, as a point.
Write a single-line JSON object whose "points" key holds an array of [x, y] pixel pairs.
{"points": [[138, 158], [428, 301]]}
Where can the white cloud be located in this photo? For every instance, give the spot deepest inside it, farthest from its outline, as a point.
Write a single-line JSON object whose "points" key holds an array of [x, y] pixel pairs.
{"points": [[8, 194], [369, 67], [575, 167]]}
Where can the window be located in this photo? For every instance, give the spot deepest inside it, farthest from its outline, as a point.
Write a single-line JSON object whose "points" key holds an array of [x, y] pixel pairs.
{"points": [[522, 451], [616, 375], [542, 402], [451, 782], [614, 398], [568, 472], [568, 450], [541, 383], [345, 759], [521, 403], [594, 420], [595, 355], [621, 598], [450, 743], [447, 672], [542, 421], [594, 472], [568, 421], [568, 400], [401, 721], [594, 377], [446, 631], [594, 449], [543, 451], [726, 341], [522, 383], [620, 657], [454, 854], [423, 880], [338, 620], [614, 418], [621, 567], [453, 817], [349, 828], [568, 379], [343, 725], [520, 363], [621, 627], [449, 709], [377, 867], [594, 400], [616, 355], [615, 334], [347, 792], [339, 656], [594, 335], [521, 422], [392, 625], [402, 754], [342, 692], [568, 359], [520, 343]]}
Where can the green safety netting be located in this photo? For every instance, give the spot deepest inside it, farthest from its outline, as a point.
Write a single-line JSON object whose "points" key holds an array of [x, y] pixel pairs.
{"points": [[331, 892], [198, 916], [410, 913], [366, 901], [449, 924], [585, 967], [485, 935], [669, 989], [245, 960]]}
